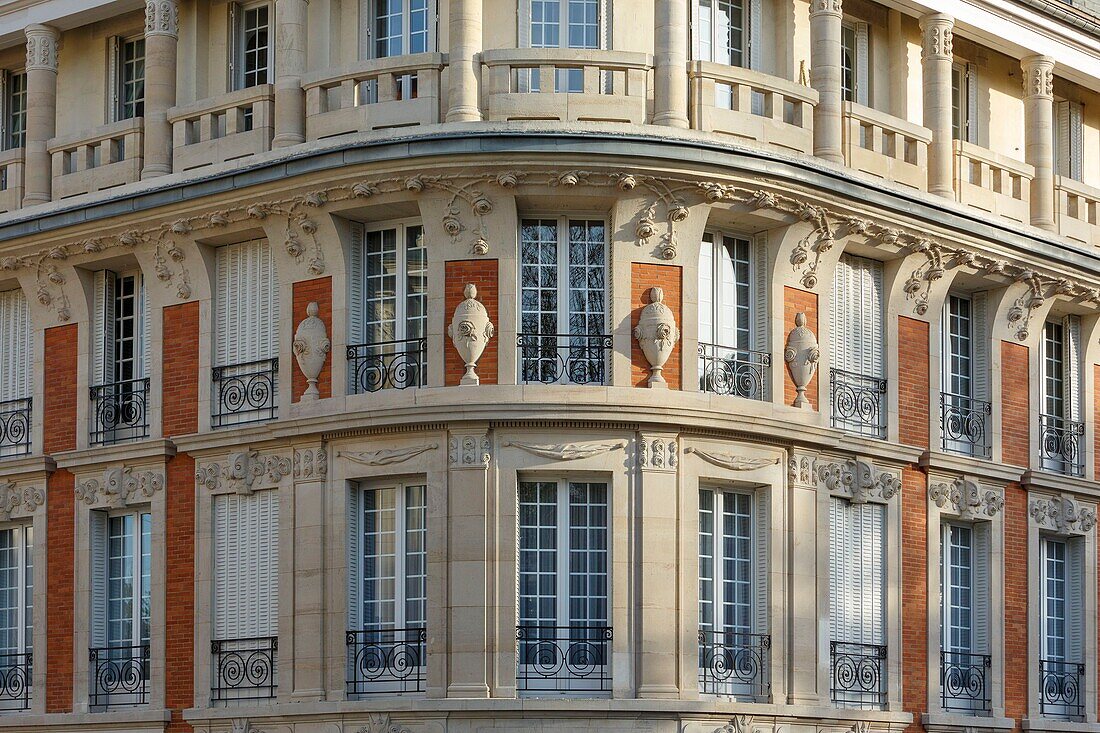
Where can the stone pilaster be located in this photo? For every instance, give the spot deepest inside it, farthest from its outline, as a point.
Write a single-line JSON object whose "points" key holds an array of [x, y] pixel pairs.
{"points": [[825, 77], [807, 543], [290, 64], [936, 60], [658, 463], [42, 42], [670, 94], [1039, 136], [462, 71], [161, 37], [310, 475]]}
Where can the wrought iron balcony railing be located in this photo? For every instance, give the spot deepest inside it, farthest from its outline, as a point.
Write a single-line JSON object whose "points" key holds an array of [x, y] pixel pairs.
{"points": [[119, 412], [16, 680], [386, 661], [120, 676], [15, 427], [735, 664], [244, 669], [561, 357], [858, 675], [1060, 689], [1061, 444], [555, 660], [387, 365], [965, 425], [738, 372], [859, 403], [245, 393], [964, 682]]}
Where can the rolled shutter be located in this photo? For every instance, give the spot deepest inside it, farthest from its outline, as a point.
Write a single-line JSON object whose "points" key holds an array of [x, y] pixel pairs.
{"points": [[761, 563], [1071, 366], [103, 351], [355, 530], [246, 543], [863, 64], [981, 599], [1075, 600], [15, 346], [356, 278], [971, 131], [98, 576]]}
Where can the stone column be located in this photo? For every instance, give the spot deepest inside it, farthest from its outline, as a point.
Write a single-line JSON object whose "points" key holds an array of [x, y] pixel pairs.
{"points": [[290, 64], [161, 36], [469, 579], [42, 43], [1039, 136], [825, 77], [936, 59], [462, 72], [670, 92]]}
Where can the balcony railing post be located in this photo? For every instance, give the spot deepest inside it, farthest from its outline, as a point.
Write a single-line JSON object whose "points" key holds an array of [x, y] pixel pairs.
{"points": [[244, 669], [735, 664], [557, 659], [550, 358], [386, 661]]}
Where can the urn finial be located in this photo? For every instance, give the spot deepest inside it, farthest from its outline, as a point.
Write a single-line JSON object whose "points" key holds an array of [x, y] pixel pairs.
{"points": [[657, 334], [470, 331]]}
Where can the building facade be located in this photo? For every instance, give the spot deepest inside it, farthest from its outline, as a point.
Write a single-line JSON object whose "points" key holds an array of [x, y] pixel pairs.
{"points": [[688, 366]]}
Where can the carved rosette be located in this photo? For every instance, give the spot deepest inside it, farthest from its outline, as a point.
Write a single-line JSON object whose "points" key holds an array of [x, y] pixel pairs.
{"points": [[938, 37], [472, 450], [1038, 77], [858, 479], [657, 334], [1063, 514], [470, 331], [966, 498], [42, 43], [162, 18], [658, 453], [311, 349], [310, 463], [802, 356]]}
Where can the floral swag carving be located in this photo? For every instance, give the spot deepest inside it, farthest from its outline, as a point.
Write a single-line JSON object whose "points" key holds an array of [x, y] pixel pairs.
{"points": [[858, 480], [119, 486], [567, 451], [1063, 514], [731, 461], [965, 497], [386, 457]]}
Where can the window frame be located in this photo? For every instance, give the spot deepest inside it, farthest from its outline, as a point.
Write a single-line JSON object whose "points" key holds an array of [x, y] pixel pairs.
{"points": [[10, 114], [24, 543], [369, 22], [118, 65], [563, 312], [142, 551], [238, 46], [860, 55], [358, 324]]}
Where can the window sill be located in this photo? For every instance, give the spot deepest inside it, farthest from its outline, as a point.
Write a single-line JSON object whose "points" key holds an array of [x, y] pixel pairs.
{"points": [[1054, 725], [941, 722], [134, 719]]}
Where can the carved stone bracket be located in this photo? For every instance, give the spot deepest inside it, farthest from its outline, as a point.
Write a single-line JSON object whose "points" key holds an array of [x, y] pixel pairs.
{"points": [[381, 723], [737, 724], [120, 486], [16, 497], [1063, 514], [730, 461], [386, 457], [657, 453], [567, 451], [857, 479], [245, 472], [966, 498], [471, 450]]}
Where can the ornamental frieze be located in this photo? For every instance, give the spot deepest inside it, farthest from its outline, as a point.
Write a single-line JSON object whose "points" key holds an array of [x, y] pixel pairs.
{"points": [[1062, 514], [386, 457], [473, 450], [20, 498], [567, 451], [120, 486], [244, 472], [965, 497], [857, 479]]}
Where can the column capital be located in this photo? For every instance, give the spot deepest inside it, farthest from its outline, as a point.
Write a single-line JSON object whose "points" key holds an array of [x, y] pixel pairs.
{"points": [[1038, 76], [826, 7], [42, 42], [938, 35], [162, 18]]}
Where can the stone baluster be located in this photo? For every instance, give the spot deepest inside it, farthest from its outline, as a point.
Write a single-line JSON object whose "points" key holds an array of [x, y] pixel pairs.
{"points": [[825, 77], [1039, 136], [464, 60], [936, 60], [290, 65], [42, 41], [670, 93], [161, 37]]}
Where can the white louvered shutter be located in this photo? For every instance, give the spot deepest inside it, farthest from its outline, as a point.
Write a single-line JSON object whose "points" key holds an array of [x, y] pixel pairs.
{"points": [[98, 573], [1071, 366], [246, 565], [981, 603], [1075, 600], [761, 563], [980, 339], [840, 554], [1067, 139], [103, 333], [858, 337], [971, 131], [863, 64], [145, 318], [756, 36], [247, 310], [356, 278], [1076, 142], [759, 284], [114, 44], [873, 586], [233, 49], [16, 346], [843, 348], [6, 142], [355, 530]]}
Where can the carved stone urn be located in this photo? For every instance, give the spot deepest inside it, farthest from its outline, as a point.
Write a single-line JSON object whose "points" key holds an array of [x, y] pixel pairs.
{"points": [[311, 347], [657, 334], [801, 355], [470, 331]]}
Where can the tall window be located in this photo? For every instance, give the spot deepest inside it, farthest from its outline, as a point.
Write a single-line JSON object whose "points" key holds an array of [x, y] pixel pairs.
{"points": [[965, 407], [965, 662], [732, 601], [15, 109], [253, 53], [1062, 632], [400, 27], [16, 367], [963, 102], [563, 301], [564, 24], [387, 589], [16, 616], [564, 629], [129, 92], [857, 612], [854, 62], [1061, 431], [1068, 139], [389, 301], [732, 316], [246, 326], [121, 565], [119, 354], [858, 370]]}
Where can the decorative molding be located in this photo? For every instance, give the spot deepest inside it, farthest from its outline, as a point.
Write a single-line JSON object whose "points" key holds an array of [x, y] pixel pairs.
{"points": [[858, 480], [802, 356], [310, 463], [245, 472], [737, 724], [800, 470], [666, 198], [1038, 76], [567, 451], [381, 723], [732, 462], [657, 334], [861, 726], [830, 7], [386, 457], [658, 454], [14, 497], [965, 497], [311, 348], [42, 47], [119, 486], [1063, 514], [470, 330], [162, 18], [939, 39], [469, 451]]}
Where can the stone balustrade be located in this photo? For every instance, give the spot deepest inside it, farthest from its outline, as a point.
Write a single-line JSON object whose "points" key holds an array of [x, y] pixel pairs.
{"points": [[1077, 208], [749, 104], [399, 91], [227, 127], [885, 146], [11, 179], [103, 157], [565, 84], [992, 182]]}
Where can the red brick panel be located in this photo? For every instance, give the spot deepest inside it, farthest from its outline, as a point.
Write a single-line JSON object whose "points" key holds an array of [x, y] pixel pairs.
{"points": [[1016, 592], [797, 301], [914, 593], [179, 540], [180, 373], [914, 382], [644, 277], [59, 408], [317, 291], [60, 512], [1015, 406], [484, 275]]}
